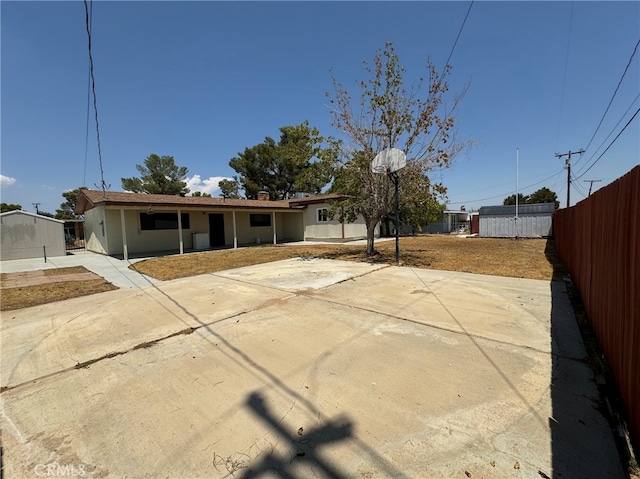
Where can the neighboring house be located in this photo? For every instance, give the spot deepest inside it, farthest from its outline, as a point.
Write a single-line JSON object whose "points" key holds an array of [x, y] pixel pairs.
{"points": [[452, 221], [28, 235], [534, 221], [117, 223]]}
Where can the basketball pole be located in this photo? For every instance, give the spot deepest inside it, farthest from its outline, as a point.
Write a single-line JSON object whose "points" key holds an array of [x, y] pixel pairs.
{"points": [[394, 178]]}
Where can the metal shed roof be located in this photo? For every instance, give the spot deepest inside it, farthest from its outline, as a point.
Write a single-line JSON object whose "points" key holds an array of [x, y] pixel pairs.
{"points": [[28, 213], [510, 210]]}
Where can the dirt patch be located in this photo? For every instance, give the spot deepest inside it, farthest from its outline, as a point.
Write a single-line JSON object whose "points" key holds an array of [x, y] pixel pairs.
{"points": [[32, 288], [532, 259]]}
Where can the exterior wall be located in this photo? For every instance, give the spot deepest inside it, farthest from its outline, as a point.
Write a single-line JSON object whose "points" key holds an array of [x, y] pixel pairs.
{"points": [[248, 234], [24, 235], [95, 233], [138, 241], [142, 241], [290, 226], [332, 229], [529, 226]]}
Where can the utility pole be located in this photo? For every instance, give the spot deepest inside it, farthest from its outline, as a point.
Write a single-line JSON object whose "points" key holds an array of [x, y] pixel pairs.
{"points": [[591, 182], [36, 205], [568, 163]]}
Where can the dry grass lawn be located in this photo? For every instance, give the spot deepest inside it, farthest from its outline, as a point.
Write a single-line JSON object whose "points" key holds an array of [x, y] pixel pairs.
{"points": [[33, 295], [532, 258]]}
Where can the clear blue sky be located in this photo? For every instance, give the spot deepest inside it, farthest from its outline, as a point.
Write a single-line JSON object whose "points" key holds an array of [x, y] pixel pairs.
{"points": [[200, 81]]}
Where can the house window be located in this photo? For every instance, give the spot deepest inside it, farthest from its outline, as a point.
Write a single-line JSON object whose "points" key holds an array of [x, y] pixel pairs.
{"points": [[260, 219], [323, 215], [163, 221]]}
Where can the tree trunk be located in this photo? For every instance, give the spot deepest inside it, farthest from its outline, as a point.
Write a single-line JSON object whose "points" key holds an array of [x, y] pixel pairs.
{"points": [[371, 229]]}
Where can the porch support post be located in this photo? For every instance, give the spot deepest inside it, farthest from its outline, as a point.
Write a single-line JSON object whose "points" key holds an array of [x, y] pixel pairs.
{"points": [[125, 248], [273, 222], [180, 232], [235, 231]]}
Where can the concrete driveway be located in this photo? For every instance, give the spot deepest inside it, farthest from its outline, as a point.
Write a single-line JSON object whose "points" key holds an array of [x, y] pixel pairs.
{"points": [[304, 368]]}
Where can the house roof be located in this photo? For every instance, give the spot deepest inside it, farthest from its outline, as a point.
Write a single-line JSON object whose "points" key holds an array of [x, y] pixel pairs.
{"points": [[510, 210], [27, 213], [89, 199]]}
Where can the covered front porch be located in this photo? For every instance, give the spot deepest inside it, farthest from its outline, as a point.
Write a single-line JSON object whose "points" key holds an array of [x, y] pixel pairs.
{"points": [[130, 231]]}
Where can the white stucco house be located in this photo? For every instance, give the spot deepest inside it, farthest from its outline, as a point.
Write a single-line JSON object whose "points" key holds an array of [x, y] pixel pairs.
{"points": [[118, 223], [28, 235]]}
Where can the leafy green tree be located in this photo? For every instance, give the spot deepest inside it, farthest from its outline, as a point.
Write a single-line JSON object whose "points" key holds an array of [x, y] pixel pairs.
{"points": [[5, 207], [159, 175], [386, 114], [200, 193], [294, 164], [67, 210], [47, 214], [544, 195], [229, 189], [511, 200]]}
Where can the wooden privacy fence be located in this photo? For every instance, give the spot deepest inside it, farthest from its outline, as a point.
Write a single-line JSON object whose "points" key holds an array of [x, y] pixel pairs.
{"points": [[598, 240]]}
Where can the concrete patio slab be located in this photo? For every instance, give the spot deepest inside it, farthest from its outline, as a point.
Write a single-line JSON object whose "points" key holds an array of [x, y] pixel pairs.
{"points": [[392, 373]]}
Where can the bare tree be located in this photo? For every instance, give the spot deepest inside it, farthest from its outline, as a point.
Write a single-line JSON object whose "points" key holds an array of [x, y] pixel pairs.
{"points": [[415, 119]]}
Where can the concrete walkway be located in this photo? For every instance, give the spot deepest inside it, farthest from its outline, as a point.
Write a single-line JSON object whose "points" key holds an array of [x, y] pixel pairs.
{"points": [[115, 271], [305, 368]]}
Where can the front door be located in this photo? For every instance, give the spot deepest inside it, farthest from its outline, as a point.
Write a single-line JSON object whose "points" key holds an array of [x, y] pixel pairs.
{"points": [[216, 229]]}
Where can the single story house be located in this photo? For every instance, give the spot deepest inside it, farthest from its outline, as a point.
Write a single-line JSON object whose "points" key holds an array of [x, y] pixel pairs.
{"points": [[118, 223], [28, 235], [533, 221]]}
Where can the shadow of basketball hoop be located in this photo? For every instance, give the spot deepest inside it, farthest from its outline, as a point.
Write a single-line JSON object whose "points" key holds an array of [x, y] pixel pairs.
{"points": [[308, 445]]}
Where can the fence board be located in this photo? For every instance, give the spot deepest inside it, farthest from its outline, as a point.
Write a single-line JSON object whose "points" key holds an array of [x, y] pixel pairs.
{"points": [[598, 240]]}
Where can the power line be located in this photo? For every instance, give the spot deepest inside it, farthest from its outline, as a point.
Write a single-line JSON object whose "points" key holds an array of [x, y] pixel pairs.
{"points": [[458, 36], [610, 144], [103, 185], [614, 95], [86, 133], [505, 194], [610, 133], [564, 75]]}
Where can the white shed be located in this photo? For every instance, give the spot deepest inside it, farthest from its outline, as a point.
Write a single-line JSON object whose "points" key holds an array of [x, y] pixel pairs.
{"points": [[27, 235], [533, 221]]}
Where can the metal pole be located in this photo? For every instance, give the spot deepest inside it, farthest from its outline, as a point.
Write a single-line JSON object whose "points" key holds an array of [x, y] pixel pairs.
{"points": [[395, 183], [568, 179], [517, 193], [568, 162], [44, 250]]}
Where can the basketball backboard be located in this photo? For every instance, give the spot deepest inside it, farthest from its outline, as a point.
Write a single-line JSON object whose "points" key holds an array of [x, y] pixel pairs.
{"points": [[388, 161]]}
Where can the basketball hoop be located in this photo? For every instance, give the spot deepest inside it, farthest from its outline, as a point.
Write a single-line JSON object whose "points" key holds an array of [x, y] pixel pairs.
{"points": [[381, 169], [389, 161]]}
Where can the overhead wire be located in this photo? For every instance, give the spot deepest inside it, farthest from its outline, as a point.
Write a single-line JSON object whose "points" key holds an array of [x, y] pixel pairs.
{"points": [[503, 195], [610, 144], [86, 133], [578, 187], [635, 49], [564, 75], [610, 133], [103, 185], [457, 38]]}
